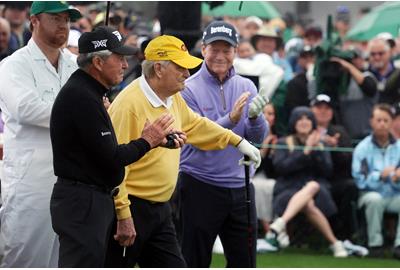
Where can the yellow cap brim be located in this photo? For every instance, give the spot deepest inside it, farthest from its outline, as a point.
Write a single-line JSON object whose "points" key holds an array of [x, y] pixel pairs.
{"points": [[188, 62]]}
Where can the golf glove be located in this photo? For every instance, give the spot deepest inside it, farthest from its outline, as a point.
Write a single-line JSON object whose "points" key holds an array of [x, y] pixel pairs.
{"points": [[257, 104], [252, 152]]}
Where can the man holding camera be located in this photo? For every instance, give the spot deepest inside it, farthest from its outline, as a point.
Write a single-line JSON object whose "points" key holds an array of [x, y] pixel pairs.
{"points": [[143, 212]]}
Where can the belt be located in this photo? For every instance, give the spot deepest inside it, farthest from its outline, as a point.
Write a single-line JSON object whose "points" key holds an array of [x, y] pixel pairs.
{"points": [[111, 191]]}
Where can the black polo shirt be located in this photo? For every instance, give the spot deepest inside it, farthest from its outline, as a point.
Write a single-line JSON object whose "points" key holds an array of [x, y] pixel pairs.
{"points": [[84, 144]]}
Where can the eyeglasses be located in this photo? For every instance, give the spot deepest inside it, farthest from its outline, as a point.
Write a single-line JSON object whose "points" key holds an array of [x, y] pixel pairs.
{"points": [[381, 53]]}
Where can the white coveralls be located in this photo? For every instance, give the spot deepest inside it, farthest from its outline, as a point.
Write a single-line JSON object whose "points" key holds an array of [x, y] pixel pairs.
{"points": [[29, 85]]}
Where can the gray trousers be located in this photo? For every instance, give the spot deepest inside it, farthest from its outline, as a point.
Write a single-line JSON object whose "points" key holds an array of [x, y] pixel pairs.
{"points": [[375, 206]]}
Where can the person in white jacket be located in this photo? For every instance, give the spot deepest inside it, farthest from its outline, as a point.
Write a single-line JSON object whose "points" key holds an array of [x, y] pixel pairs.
{"points": [[261, 65], [30, 80]]}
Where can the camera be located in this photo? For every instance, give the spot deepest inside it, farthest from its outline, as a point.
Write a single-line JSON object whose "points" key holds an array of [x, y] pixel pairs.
{"points": [[170, 140]]}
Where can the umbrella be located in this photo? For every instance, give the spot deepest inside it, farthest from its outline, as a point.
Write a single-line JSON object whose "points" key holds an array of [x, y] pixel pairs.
{"points": [[383, 18], [260, 9]]}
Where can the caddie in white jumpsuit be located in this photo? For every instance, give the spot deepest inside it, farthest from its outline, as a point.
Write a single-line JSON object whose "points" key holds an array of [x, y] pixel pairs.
{"points": [[29, 82]]}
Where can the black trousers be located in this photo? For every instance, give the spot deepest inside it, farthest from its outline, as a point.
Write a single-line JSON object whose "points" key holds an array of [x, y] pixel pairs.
{"points": [[82, 218], [155, 245], [208, 211], [344, 193]]}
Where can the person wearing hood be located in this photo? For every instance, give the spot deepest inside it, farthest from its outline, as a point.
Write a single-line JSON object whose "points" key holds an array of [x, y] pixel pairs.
{"points": [[230, 100], [302, 184]]}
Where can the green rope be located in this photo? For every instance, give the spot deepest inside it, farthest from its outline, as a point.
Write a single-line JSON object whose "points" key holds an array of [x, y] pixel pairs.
{"points": [[301, 148]]}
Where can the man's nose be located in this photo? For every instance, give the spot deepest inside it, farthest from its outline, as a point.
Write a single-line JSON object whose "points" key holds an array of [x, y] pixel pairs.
{"points": [[186, 73], [125, 63]]}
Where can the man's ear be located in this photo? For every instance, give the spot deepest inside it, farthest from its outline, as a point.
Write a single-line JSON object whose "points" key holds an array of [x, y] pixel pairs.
{"points": [[97, 63], [157, 69], [34, 20], [203, 50]]}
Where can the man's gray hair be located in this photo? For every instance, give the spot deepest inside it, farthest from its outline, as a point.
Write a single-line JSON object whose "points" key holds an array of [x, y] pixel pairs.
{"points": [[378, 40], [85, 59], [148, 67]]}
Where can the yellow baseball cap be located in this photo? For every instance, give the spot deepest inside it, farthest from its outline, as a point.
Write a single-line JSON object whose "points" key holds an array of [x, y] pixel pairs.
{"points": [[170, 48]]}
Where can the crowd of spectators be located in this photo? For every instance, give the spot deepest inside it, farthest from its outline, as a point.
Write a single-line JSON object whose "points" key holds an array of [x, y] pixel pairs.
{"points": [[279, 55]]}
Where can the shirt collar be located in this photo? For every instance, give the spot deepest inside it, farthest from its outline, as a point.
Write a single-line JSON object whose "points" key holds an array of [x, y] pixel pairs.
{"points": [[206, 71], [151, 96], [392, 140]]}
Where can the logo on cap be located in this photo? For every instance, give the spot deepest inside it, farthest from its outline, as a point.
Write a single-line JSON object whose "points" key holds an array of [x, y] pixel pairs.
{"points": [[183, 48], [118, 35], [221, 29], [162, 54], [100, 43]]}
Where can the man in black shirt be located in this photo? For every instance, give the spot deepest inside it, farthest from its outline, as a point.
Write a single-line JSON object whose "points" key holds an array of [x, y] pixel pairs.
{"points": [[88, 161]]}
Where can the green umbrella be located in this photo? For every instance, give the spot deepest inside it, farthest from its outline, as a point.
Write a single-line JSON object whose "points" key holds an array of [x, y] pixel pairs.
{"points": [[260, 9], [383, 18]]}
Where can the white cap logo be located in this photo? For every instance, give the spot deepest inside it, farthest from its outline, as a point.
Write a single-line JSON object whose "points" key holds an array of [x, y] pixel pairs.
{"points": [[221, 29], [118, 35], [100, 43]]}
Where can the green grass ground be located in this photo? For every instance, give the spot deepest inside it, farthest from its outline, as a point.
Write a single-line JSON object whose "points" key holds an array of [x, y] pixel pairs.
{"points": [[306, 258]]}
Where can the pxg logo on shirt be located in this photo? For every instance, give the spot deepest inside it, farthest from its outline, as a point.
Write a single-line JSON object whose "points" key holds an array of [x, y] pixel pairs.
{"points": [[100, 43]]}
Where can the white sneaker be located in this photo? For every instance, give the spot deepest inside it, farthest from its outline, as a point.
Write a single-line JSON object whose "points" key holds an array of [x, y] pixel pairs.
{"points": [[283, 239], [218, 248], [338, 250], [264, 247], [278, 225], [353, 249]]}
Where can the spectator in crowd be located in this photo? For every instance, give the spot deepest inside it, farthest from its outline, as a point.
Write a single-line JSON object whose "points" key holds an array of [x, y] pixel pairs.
{"points": [[342, 21], [230, 100], [87, 163], [17, 14], [342, 186], [5, 35], [265, 40], [257, 66], [313, 36], [395, 130], [30, 81], [391, 41], [302, 185], [355, 104], [298, 93], [264, 180], [142, 203], [251, 26], [272, 138], [376, 171], [386, 76]]}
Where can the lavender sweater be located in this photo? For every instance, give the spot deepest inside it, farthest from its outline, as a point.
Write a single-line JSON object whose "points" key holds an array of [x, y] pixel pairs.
{"points": [[207, 96]]}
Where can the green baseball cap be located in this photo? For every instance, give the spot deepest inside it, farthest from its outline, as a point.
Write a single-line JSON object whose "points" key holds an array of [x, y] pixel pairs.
{"points": [[55, 7]]}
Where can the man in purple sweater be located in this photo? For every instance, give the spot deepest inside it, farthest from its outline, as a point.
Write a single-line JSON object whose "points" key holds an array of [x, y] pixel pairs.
{"points": [[211, 183]]}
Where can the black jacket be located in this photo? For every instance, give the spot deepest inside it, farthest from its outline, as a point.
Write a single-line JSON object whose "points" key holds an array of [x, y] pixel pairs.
{"points": [[84, 144]]}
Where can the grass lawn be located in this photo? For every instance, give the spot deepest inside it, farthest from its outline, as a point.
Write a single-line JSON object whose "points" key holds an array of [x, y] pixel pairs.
{"points": [[306, 258]]}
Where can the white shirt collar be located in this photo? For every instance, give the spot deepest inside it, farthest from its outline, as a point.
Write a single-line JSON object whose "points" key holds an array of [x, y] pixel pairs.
{"points": [[154, 100]]}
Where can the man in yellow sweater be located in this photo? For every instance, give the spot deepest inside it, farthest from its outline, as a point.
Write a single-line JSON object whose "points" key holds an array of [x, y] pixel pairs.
{"points": [[145, 234]]}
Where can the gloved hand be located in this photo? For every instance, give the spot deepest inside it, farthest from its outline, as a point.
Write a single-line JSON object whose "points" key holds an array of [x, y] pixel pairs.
{"points": [[257, 104], [252, 152]]}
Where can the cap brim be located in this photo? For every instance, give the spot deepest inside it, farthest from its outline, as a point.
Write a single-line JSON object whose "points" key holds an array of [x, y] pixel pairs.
{"points": [[230, 41], [125, 50], [188, 62], [315, 103]]}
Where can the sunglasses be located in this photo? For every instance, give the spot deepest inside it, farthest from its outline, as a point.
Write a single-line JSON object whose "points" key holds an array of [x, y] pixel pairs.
{"points": [[377, 53]]}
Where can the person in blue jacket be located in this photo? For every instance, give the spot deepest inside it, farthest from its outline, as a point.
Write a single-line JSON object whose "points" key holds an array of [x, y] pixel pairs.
{"points": [[376, 170]]}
